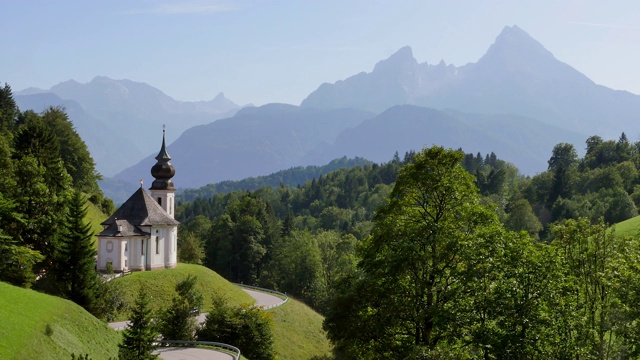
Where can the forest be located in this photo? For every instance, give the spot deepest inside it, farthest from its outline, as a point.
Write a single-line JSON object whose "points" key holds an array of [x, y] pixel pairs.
{"points": [[48, 176], [442, 254]]}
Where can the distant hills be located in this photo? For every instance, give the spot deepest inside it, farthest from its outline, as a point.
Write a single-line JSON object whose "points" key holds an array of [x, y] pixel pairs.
{"points": [[525, 142], [256, 141], [121, 120], [261, 141]]}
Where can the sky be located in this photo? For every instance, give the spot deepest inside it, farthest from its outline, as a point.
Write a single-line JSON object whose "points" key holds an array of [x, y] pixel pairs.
{"points": [[263, 51]]}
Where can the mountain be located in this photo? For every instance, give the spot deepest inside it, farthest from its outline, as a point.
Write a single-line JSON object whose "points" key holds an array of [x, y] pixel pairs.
{"points": [[91, 129], [525, 142], [256, 141], [517, 75], [260, 141], [127, 112]]}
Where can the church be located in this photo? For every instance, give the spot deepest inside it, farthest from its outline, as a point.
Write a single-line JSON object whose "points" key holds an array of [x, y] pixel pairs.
{"points": [[143, 234]]}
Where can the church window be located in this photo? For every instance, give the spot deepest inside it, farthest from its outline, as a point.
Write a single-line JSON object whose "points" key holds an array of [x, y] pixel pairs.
{"points": [[157, 245], [109, 246], [126, 246], [142, 248], [160, 201]]}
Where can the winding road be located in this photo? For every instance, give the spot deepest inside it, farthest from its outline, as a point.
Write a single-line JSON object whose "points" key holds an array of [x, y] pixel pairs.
{"points": [[263, 299]]}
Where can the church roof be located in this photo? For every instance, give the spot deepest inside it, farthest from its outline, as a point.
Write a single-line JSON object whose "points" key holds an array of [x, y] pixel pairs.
{"points": [[139, 210], [121, 228]]}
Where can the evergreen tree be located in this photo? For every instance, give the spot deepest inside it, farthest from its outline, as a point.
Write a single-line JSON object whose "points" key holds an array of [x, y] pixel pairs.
{"points": [[8, 109], [178, 322], [76, 268], [139, 337]]}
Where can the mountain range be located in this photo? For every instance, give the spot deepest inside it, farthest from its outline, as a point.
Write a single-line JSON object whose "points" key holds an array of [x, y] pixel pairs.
{"points": [[117, 118], [517, 100], [517, 75]]}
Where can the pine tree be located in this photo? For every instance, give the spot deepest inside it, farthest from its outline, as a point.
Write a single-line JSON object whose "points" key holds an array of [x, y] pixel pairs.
{"points": [[178, 321], [8, 109], [76, 268], [138, 339]]}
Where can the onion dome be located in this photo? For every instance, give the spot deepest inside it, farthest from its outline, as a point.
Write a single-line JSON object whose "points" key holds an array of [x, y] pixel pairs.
{"points": [[163, 171]]}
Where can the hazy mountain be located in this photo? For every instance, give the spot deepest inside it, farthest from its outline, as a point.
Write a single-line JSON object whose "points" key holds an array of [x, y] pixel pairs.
{"points": [[134, 112], [256, 141], [517, 75], [525, 142], [91, 129]]}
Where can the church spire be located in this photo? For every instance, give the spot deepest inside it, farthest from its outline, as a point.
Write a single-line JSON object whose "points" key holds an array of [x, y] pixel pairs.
{"points": [[162, 171], [163, 155]]}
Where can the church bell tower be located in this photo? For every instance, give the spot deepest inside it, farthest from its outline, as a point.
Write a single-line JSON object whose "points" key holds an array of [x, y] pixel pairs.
{"points": [[162, 189]]}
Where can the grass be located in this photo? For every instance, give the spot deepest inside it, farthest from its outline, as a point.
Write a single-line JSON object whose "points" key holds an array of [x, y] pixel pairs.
{"points": [[297, 328], [629, 227], [298, 333], [160, 285], [95, 216], [39, 326]]}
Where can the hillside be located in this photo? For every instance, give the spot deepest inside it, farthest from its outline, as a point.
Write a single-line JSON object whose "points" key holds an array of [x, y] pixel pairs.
{"points": [[629, 227], [255, 142], [293, 177], [25, 315], [525, 142], [95, 216], [298, 332], [160, 285]]}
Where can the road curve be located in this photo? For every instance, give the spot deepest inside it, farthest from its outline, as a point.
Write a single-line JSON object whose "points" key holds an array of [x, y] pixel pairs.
{"points": [[181, 353], [263, 299]]}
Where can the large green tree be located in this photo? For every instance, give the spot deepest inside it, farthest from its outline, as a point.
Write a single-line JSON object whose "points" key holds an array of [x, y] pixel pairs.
{"points": [[420, 258], [76, 273], [590, 258]]}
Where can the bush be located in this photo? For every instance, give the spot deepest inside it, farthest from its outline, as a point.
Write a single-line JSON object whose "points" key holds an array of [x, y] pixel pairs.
{"points": [[245, 327]]}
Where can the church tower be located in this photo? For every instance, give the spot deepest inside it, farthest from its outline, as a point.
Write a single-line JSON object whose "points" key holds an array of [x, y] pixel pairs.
{"points": [[162, 189], [143, 233]]}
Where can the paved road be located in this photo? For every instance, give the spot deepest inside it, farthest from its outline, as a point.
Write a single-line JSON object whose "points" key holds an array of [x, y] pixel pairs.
{"points": [[172, 353], [262, 299], [265, 300]]}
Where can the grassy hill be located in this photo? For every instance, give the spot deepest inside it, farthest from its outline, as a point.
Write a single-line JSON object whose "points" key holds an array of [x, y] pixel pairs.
{"points": [[26, 315], [95, 216], [629, 227], [298, 330], [160, 285], [298, 333]]}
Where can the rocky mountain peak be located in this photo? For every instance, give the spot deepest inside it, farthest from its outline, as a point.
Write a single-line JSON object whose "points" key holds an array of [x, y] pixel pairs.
{"points": [[401, 60], [515, 43]]}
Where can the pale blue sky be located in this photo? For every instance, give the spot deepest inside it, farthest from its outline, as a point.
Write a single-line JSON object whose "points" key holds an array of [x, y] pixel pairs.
{"points": [[261, 51]]}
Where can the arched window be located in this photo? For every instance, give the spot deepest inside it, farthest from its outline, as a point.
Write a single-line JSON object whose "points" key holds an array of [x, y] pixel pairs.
{"points": [[160, 201]]}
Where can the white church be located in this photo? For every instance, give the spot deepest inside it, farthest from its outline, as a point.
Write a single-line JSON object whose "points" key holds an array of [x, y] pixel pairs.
{"points": [[143, 234]]}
